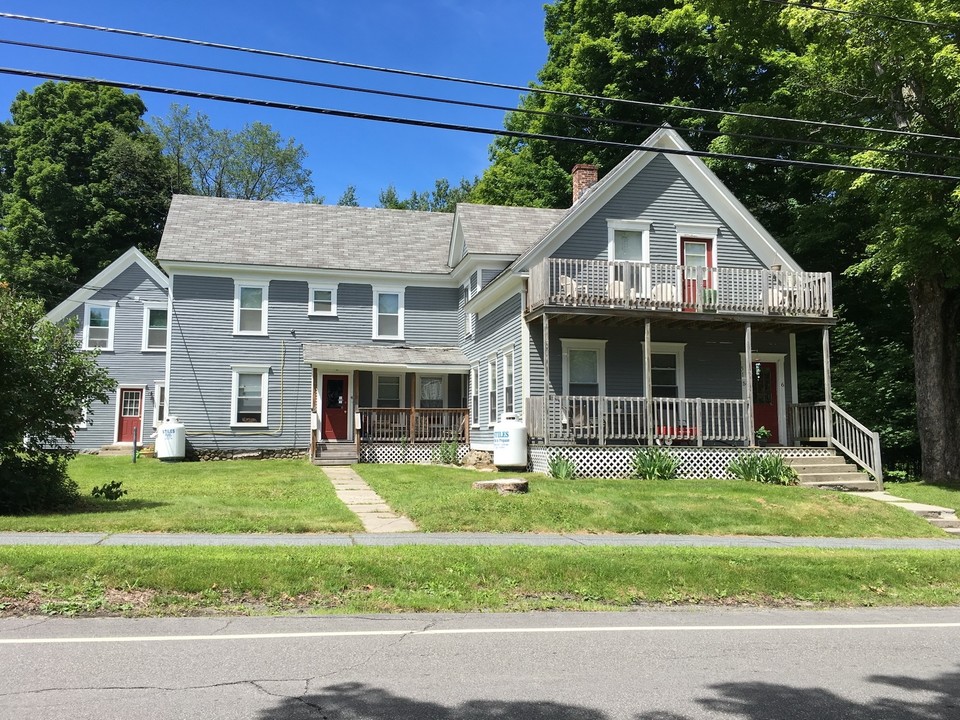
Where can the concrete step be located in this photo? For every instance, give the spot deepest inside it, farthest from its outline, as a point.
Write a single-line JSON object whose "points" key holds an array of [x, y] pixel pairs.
{"points": [[836, 467], [946, 523], [852, 483], [816, 460]]}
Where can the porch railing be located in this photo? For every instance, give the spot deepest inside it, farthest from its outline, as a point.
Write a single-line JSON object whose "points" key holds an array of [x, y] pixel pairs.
{"points": [[571, 418], [848, 435], [576, 282], [414, 424]]}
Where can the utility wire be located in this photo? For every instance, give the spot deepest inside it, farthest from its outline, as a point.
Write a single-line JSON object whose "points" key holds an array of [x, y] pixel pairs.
{"points": [[465, 103], [472, 128], [855, 13], [468, 81]]}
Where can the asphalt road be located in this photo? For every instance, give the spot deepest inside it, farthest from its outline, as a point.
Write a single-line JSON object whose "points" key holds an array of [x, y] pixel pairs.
{"points": [[678, 664]]}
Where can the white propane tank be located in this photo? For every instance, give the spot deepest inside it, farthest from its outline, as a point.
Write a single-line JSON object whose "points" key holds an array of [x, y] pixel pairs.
{"points": [[509, 442], [171, 440]]}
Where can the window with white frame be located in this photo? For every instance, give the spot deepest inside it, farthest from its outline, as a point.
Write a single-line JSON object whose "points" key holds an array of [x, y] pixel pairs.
{"points": [[155, 327], [80, 418], [389, 391], [508, 381], [583, 367], [323, 300], [159, 404], [492, 391], [628, 240], [666, 369], [388, 314], [469, 318], [250, 309], [432, 391], [98, 327], [249, 395], [475, 396]]}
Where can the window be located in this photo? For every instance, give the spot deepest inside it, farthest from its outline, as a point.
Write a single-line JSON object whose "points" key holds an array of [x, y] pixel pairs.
{"points": [[389, 391], [468, 318], [492, 391], [666, 369], [98, 327], [388, 314], [249, 395], [250, 317], [431, 391], [323, 300], [475, 396], [155, 327], [159, 404], [583, 367], [508, 381], [80, 418], [628, 240]]}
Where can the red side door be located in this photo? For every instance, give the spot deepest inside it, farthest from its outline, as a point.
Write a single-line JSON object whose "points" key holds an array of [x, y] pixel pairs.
{"points": [[765, 410], [333, 396], [696, 255], [131, 414]]}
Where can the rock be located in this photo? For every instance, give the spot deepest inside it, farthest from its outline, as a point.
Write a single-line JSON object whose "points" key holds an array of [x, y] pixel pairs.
{"points": [[479, 460], [505, 486]]}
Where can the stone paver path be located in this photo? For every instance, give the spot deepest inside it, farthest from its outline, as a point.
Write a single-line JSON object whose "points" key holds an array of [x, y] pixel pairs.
{"points": [[943, 517], [360, 498]]}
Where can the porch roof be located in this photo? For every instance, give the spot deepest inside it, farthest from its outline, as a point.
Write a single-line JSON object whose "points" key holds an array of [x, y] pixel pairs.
{"points": [[382, 357]]}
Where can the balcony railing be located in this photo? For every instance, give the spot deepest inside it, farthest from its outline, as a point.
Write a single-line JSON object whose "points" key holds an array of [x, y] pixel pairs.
{"points": [[414, 425], [570, 418], [574, 282]]}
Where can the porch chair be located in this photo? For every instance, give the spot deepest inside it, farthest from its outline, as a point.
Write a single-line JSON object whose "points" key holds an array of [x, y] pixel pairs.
{"points": [[567, 289], [619, 291], [665, 295]]}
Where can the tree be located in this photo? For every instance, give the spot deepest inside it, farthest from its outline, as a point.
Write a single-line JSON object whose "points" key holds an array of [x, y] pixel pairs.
{"points": [[349, 197], [47, 382], [82, 180], [443, 198], [253, 164]]}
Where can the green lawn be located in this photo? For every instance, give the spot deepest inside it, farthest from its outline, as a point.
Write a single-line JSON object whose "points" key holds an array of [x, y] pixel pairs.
{"points": [[929, 494], [256, 580], [441, 499], [215, 497]]}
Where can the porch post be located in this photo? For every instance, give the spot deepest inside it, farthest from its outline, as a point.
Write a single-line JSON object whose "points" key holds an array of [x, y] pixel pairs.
{"points": [[827, 389], [546, 378], [647, 382], [748, 379]]}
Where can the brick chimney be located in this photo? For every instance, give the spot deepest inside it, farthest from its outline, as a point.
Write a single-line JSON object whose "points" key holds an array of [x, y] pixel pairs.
{"points": [[584, 177]]}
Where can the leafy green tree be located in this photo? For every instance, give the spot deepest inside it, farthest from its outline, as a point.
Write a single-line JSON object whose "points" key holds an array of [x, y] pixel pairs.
{"points": [[82, 181], [443, 198], [47, 381], [253, 164], [349, 197]]}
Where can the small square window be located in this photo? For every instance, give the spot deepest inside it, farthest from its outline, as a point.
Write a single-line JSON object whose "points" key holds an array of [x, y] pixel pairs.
{"points": [[323, 301]]}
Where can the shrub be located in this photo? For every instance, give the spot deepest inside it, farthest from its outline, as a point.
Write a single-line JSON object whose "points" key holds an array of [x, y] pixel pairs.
{"points": [[562, 468], [654, 464], [745, 467], [447, 453], [110, 491], [770, 469], [35, 482]]}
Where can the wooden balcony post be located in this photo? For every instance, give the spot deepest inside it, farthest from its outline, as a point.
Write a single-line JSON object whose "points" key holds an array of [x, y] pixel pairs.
{"points": [[748, 378], [827, 389], [648, 382], [546, 377], [412, 425]]}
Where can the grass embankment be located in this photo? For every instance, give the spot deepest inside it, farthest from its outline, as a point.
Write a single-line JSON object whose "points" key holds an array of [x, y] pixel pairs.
{"points": [[178, 581], [214, 497], [928, 494], [440, 499]]}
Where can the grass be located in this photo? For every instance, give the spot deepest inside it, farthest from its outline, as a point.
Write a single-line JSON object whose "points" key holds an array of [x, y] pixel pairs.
{"points": [[192, 581], [214, 497], [441, 499], [929, 494]]}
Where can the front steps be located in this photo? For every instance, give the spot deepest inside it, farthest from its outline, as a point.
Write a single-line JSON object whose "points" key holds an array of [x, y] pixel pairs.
{"points": [[831, 472], [335, 453], [116, 450]]}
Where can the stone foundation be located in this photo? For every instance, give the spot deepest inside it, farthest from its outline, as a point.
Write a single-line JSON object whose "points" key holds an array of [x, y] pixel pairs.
{"points": [[209, 455]]}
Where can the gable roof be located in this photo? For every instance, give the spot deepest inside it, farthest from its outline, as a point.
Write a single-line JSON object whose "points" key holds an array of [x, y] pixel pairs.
{"points": [[261, 233], [104, 278], [498, 229]]}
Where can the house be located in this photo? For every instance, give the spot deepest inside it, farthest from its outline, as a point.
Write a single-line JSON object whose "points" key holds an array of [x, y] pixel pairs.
{"points": [[654, 311], [122, 312]]}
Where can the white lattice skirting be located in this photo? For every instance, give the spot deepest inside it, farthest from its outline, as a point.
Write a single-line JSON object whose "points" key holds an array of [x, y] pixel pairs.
{"points": [[400, 453], [695, 462]]}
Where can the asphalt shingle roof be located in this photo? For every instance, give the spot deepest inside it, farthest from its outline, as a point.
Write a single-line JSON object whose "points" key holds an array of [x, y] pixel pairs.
{"points": [[501, 230]]}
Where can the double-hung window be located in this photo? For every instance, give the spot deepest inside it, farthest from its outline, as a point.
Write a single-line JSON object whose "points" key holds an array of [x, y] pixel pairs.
{"points": [[159, 403], [492, 391], [508, 381], [250, 309], [583, 367], [250, 395], [475, 396], [432, 391], [323, 300], [154, 328], [666, 370], [388, 314], [389, 391], [98, 326]]}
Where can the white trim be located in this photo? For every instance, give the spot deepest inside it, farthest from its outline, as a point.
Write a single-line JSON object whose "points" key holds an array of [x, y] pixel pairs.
{"points": [[455, 250], [376, 387], [104, 278], [496, 292], [351, 410], [474, 390], [794, 379], [238, 285], [116, 415], [265, 273], [418, 398], [332, 289], [147, 307], [699, 233], [384, 290], [81, 423], [508, 350], [264, 372], [567, 344], [678, 350], [697, 230], [493, 390], [111, 305], [777, 358], [636, 225], [524, 353]]}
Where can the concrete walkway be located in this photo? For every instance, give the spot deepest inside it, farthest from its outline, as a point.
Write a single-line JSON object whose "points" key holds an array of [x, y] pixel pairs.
{"points": [[942, 517], [360, 498]]}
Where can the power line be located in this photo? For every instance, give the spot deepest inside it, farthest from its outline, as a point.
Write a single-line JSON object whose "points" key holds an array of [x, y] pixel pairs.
{"points": [[471, 128], [467, 81], [856, 13], [465, 103]]}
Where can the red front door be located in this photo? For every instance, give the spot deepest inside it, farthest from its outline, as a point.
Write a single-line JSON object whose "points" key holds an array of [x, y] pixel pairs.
{"points": [[131, 414], [765, 410], [696, 255], [333, 398]]}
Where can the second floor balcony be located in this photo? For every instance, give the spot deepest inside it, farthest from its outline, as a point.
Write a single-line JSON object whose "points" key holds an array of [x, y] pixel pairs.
{"points": [[624, 284]]}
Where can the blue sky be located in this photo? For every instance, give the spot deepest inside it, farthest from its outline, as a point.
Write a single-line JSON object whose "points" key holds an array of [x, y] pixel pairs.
{"points": [[495, 40]]}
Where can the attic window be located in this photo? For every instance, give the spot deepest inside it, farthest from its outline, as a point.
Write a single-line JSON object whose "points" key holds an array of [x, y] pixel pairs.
{"points": [[323, 300], [98, 327]]}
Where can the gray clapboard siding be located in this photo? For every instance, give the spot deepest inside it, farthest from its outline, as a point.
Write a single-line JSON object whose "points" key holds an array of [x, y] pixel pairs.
{"points": [[127, 363], [661, 195]]}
